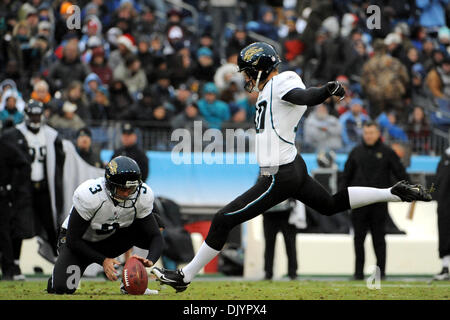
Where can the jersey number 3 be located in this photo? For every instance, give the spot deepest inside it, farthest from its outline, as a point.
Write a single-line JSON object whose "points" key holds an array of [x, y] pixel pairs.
{"points": [[98, 188], [260, 116]]}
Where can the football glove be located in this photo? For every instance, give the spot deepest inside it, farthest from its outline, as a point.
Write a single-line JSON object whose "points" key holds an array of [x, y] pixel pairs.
{"points": [[335, 88]]}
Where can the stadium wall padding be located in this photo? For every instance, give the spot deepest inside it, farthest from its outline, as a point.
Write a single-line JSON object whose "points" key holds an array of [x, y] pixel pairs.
{"points": [[216, 184]]}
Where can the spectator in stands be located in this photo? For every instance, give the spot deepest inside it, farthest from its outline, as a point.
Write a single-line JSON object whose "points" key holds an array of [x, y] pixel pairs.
{"points": [[389, 128], [120, 100], [132, 75], [163, 88], [100, 108], [205, 69], [67, 120], [248, 104], [74, 94], [157, 46], [214, 111], [9, 109], [176, 33], [322, 131], [228, 72], [371, 164], [438, 80], [358, 56], [238, 41], [99, 66], [418, 36], [131, 149], [91, 85], [444, 39], [69, 68], [182, 66], [92, 36], [394, 47], [418, 131], [187, 117], [39, 53], [84, 148], [183, 96], [41, 93], [267, 25], [352, 124], [206, 40], [145, 107], [144, 55], [18, 44], [222, 12], [292, 45], [125, 16], [384, 80], [147, 23], [443, 211], [125, 47], [410, 59], [233, 92], [419, 95], [432, 13]]}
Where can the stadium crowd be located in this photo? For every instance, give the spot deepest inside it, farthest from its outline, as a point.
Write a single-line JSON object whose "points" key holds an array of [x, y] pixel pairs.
{"points": [[151, 62]]}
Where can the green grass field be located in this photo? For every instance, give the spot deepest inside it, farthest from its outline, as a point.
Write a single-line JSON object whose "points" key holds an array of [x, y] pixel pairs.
{"points": [[240, 290]]}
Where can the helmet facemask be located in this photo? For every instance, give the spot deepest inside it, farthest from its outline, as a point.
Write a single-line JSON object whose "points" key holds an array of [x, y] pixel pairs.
{"points": [[115, 190], [253, 83]]}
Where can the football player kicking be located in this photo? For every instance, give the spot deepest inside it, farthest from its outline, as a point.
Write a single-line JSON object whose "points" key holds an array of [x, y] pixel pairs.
{"points": [[281, 103], [110, 215]]}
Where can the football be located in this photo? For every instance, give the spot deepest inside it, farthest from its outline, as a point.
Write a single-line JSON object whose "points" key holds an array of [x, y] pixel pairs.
{"points": [[134, 277]]}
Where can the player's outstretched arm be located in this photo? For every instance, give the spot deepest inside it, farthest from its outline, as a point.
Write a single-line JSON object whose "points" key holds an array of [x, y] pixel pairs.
{"points": [[314, 96], [75, 230], [149, 230]]}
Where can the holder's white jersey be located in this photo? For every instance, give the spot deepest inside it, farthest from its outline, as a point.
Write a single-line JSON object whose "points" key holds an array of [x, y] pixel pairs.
{"points": [[93, 204], [276, 121]]}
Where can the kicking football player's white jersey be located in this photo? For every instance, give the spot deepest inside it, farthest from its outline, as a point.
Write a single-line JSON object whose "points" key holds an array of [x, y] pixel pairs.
{"points": [[93, 204], [276, 121], [38, 151]]}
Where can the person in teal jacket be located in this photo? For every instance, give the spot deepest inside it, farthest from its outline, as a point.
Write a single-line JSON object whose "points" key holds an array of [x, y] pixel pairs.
{"points": [[9, 108], [213, 110]]}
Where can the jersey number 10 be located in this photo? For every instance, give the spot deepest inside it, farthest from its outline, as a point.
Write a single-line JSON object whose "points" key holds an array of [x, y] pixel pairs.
{"points": [[260, 116]]}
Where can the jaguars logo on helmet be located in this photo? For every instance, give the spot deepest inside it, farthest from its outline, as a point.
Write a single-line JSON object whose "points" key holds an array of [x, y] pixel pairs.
{"points": [[257, 60], [123, 173]]}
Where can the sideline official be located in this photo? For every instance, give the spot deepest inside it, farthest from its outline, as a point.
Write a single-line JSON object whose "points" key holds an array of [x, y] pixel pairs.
{"points": [[131, 149], [371, 164]]}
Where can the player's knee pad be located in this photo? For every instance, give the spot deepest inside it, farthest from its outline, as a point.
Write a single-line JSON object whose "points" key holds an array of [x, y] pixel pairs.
{"points": [[58, 288]]}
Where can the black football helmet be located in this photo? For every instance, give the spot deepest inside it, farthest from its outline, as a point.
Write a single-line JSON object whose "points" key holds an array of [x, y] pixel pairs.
{"points": [[34, 115], [123, 181], [257, 60]]}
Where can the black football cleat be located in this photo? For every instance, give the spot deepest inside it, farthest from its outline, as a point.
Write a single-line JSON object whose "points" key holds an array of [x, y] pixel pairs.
{"points": [[173, 278], [443, 275], [411, 192]]}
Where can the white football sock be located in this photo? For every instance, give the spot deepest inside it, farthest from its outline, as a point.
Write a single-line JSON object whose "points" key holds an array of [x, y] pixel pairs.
{"points": [[363, 196], [446, 261], [204, 255]]}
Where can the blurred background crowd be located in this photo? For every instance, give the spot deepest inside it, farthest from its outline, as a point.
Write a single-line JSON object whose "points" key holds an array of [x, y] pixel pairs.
{"points": [[162, 65]]}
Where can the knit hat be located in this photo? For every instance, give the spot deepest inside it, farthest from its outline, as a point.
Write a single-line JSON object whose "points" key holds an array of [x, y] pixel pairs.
{"points": [[356, 101], [210, 87], [128, 41]]}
